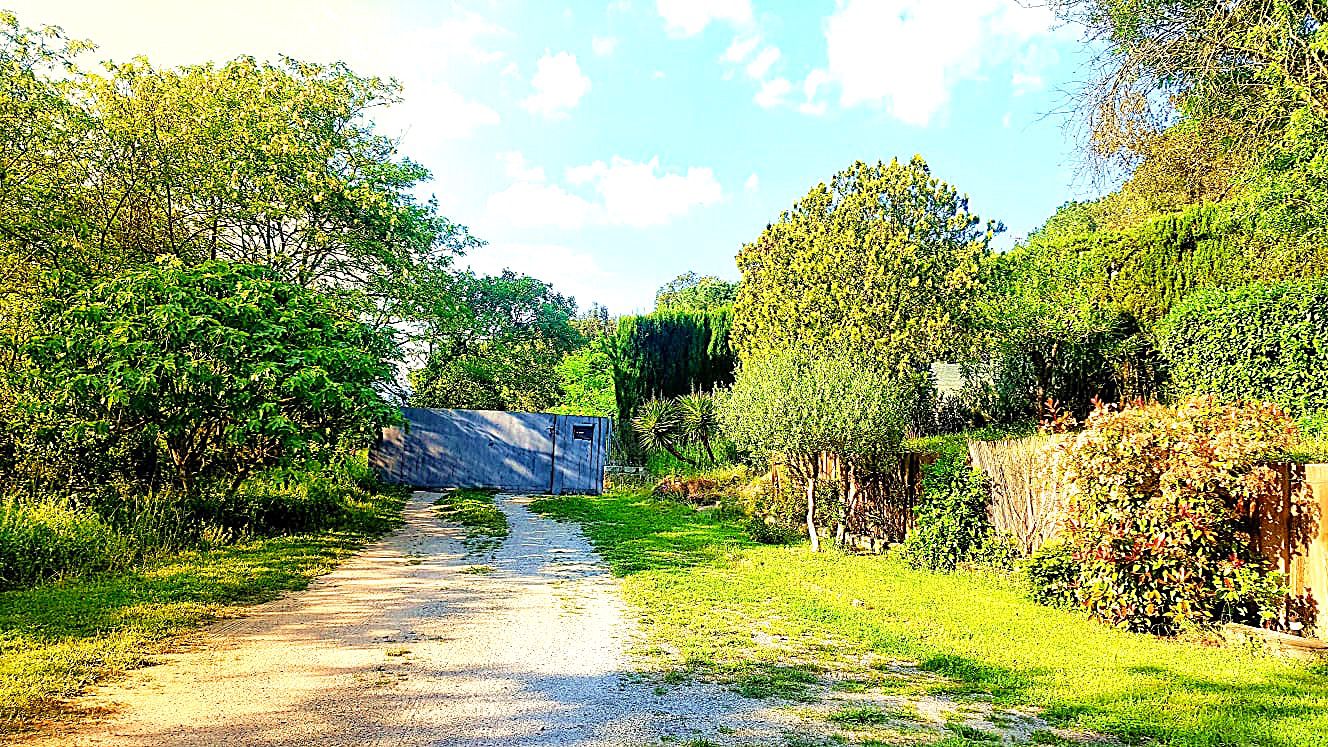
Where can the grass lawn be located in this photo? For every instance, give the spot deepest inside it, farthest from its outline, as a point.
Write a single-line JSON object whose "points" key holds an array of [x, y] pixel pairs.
{"points": [[771, 619], [57, 639], [475, 510]]}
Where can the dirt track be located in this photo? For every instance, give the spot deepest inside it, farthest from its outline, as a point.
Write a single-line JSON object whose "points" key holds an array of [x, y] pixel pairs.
{"points": [[414, 643]]}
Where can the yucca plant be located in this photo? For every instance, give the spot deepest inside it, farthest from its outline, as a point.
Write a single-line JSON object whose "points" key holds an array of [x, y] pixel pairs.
{"points": [[700, 420], [659, 425]]}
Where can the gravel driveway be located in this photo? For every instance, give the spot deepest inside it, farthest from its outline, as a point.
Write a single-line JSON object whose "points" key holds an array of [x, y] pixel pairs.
{"points": [[414, 642]]}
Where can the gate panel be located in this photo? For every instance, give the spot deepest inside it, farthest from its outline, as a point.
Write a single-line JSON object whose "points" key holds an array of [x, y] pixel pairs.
{"points": [[581, 447], [473, 449], [517, 451]]}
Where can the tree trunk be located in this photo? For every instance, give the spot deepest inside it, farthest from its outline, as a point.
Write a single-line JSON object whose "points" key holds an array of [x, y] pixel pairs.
{"points": [[678, 455], [709, 452], [850, 500], [811, 507]]}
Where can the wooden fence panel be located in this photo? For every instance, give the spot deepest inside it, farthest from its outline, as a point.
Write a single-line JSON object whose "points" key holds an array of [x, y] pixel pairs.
{"points": [[1294, 539], [1024, 502]]}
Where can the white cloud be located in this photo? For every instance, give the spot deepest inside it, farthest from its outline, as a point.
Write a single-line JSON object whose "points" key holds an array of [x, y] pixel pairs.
{"points": [[690, 17], [908, 55], [753, 183], [603, 46], [810, 85], [570, 270], [761, 63], [1027, 76], [634, 194], [559, 84], [625, 193], [741, 47], [539, 205], [772, 93], [1024, 82], [518, 169], [433, 110]]}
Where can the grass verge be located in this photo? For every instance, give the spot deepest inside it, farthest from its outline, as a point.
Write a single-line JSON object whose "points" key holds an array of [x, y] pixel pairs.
{"points": [[766, 619], [57, 639], [475, 510]]}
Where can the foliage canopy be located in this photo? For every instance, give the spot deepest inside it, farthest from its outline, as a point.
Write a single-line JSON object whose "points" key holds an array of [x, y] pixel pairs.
{"points": [[173, 375], [881, 265]]}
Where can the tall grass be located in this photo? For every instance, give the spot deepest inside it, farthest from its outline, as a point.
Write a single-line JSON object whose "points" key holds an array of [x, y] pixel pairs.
{"points": [[44, 538]]}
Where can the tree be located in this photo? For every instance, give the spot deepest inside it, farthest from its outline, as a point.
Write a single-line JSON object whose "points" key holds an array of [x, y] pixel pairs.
{"points": [[659, 426], [272, 164], [669, 354], [790, 407], [700, 421], [181, 376], [585, 380], [692, 292], [1251, 61], [497, 346], [880, 265]]}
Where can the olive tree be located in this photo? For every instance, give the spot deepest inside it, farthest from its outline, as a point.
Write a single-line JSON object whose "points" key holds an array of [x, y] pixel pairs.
{"points": [[791, 407]]}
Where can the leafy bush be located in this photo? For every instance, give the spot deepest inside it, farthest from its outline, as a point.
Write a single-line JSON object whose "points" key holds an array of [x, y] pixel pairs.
{"points": [[179, 376], [1159, 501], [952, 526], [1052, 573], [40, 541], [44, 540], [1260, 342]]}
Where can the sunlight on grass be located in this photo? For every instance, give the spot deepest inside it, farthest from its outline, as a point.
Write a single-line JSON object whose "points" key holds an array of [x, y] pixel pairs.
{"points": [[724, 608], [475, 510]]}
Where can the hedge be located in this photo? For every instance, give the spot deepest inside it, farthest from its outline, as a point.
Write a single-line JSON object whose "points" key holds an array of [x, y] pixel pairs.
{"points": [[1259, 342], [670, 353]]}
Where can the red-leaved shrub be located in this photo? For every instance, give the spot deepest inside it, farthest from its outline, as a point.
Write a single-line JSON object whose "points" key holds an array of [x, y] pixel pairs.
{"points": [[1159, 503]]}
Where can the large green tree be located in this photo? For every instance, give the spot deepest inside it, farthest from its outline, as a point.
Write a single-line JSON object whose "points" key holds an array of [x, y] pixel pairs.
{"points": [[881, 264], [182, 375], [692, 292], [500, 346], [274, 164], [1248, 62]]}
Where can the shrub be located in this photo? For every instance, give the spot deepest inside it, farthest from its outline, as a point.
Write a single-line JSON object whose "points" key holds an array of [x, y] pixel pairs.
{"points": [[41, 541], [1260, 342], [181, 376], [1051, 574], [952, 526], [721, 484], [1159, 502]]}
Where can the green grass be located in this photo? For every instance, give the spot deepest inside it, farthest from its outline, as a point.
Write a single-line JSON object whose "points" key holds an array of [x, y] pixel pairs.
{"points": [[718, 606], [57, 639], [475, 510]]}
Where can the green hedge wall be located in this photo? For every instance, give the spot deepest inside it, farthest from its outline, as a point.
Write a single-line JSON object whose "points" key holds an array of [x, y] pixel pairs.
{"points": [[669, 353], [1259, 342]]}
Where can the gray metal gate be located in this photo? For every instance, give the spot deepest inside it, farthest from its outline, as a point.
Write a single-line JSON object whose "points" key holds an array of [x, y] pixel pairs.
{"points": [[517, 451]]}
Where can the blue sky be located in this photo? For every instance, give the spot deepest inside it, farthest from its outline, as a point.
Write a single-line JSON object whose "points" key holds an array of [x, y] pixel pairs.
{"points": [[607, 147]]}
